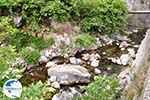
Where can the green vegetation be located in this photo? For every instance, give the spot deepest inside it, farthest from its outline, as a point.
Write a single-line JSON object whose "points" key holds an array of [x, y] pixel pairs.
{"points": [[21, 40], [6, 28], [105, 16], [103, 88], [56, 10], [85, 40], [30, 55], [12, 41], [38, 91], [7, 56]]}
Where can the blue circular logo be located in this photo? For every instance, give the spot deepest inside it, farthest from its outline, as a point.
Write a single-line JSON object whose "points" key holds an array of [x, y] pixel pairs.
{"points": [[12, 88]]}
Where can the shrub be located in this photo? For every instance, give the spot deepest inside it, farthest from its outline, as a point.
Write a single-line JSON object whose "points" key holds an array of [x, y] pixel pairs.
{"points": [[85, 40], [30, 55], [40, 43], [56, 10], [105, 16], [7, 56], [37, 91], [30, 11], [34, 10], [21, 40], [33, 24], [103, 88], [6, 28]]}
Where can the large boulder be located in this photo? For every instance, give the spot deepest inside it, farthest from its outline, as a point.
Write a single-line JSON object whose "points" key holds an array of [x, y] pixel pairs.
{"points": [[69, 74]]}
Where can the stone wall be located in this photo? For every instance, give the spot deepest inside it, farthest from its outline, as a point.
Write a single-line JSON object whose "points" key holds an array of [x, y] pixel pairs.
{"points": [[138, 20]]}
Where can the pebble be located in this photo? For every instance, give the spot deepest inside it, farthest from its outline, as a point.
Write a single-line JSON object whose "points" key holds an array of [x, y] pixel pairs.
{"points": [[136, 46], [109, 68], [97, 71], [132, 42], [135, 31], [110, 41], [73, 60], [118, 62], [47, 53], [114, 60], [93, 57], [124, 59], [53, 54], [52, 78], [117, 44], [50, 64], [79, 61], [100, 45], [66, 55], [86, 56], [55, 85], [131, 52], [104, 53], [122, 49], [103, 44], [123, 44], [43, 59], [95, 63], [97, 55]]}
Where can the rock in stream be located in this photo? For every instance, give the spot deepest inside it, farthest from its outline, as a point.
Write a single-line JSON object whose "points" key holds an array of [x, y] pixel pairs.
{"points": [[67, 74]]}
